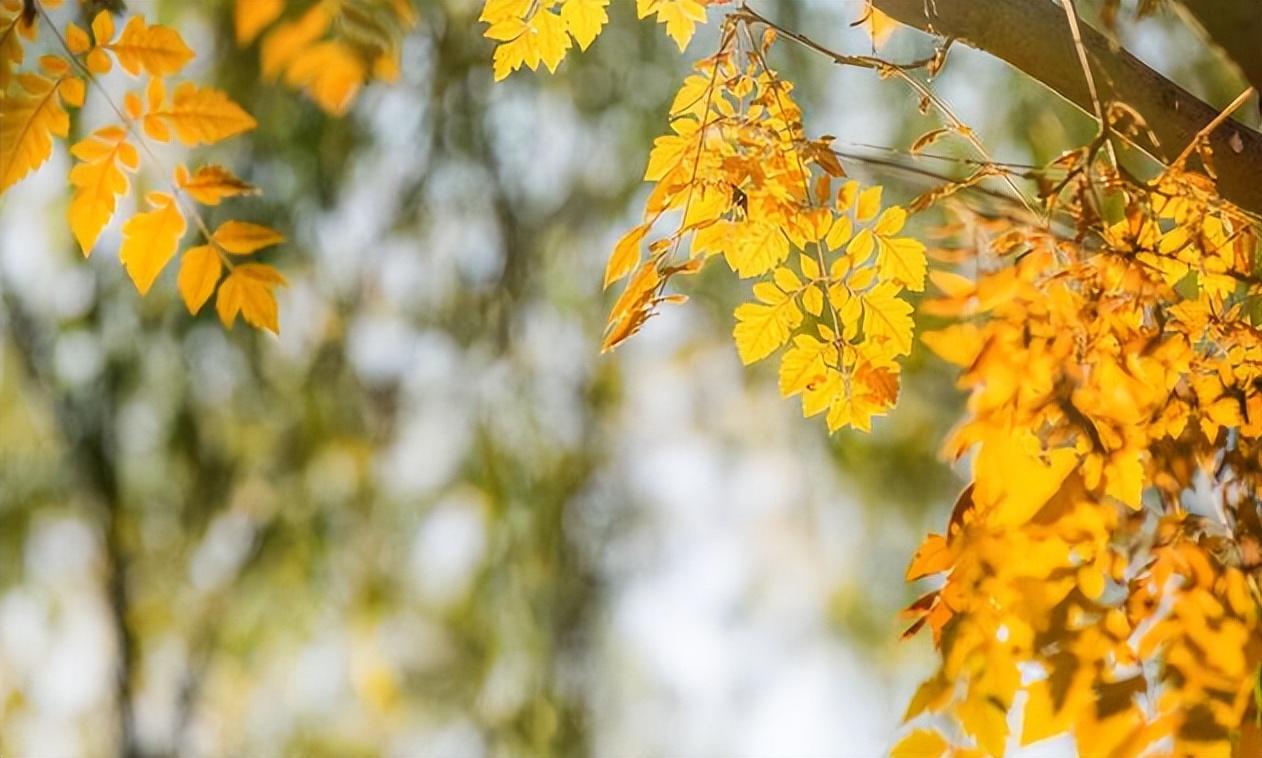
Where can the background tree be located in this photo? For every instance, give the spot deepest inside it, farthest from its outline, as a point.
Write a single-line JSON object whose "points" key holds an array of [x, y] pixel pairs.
{"points": [[422, 501]]}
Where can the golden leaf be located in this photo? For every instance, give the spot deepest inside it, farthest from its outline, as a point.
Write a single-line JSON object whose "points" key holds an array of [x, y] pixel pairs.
{"points": [[98, 181], [250, 291], [30, 117], [200, 269], [157, 50], [211, 183], [242, 238], [150, 240], [199, 115]]}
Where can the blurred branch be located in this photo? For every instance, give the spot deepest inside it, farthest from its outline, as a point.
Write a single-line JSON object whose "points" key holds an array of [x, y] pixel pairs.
{"points": [[1032, 36]]}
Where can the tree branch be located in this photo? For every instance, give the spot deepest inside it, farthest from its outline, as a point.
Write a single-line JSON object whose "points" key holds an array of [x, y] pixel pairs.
{"points": [[1032, 36]]}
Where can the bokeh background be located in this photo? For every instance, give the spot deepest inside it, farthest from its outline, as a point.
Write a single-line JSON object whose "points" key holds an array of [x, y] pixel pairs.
{"points": [[431, 519]]}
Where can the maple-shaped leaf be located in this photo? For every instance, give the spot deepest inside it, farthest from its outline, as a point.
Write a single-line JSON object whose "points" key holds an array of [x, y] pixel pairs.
{"points": [[200, 269], [31, 114], [250, 291], [211, 183], [99, 181], [199, 115], [150, 240], [157, 50]]}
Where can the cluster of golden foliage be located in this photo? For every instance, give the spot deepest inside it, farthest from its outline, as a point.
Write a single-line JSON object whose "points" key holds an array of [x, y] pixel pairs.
{"points": [[328, 51], [1122, 360], [1099, 574], [33, 107]]}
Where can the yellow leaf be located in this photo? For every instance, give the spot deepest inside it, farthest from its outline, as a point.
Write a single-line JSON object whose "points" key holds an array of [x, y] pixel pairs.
{"points": [[762, 328], [922, 743], [584, 19], [891, 222], [680, 16], [253, 16], [77, 39], [959, 343], [330, 73], [157, 50], [103, 27], [626, 254], [32, 114], [887, 318], [868, 204], [802, 365], [211, 183], [756, 247], [200, 115], [878, 26], [249, 291], [840, 233], [150, 240], [98, 181], [902, 260], [200, 269], [932, 557], [287, 41], [241, 238]]}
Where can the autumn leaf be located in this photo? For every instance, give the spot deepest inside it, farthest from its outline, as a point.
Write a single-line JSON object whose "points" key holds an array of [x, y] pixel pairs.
{"points": [[32, 115], [584, 19], [241, 238], [211, 184], [99, 181], [200, 269], [150, 240], [156, 50], [762, 327], [199, 115], [253, 16], [250, 291], [887, 318]]}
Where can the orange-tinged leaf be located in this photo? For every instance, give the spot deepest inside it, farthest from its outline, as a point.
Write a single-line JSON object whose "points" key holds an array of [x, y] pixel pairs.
{"points": [[150, 240], [932, 557], [242, 238], [200, 269], [249, 291], [32, 114], [626, 254], [211, 183], [157, 50]]}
